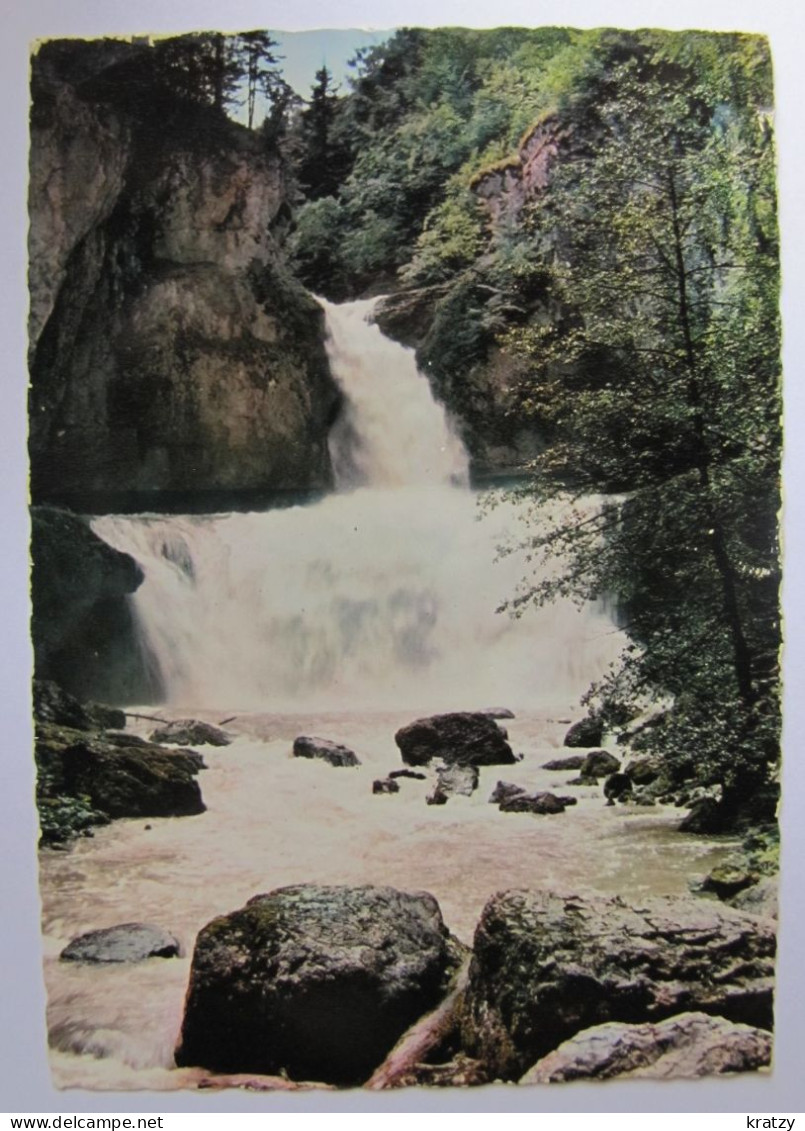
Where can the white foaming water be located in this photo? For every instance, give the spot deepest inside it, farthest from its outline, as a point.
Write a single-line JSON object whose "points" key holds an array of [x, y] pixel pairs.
{"points": [[382, 594], [391, 432]]}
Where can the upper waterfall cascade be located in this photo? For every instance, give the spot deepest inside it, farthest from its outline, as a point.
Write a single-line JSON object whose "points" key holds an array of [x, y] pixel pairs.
{"points": [[382, 594]]}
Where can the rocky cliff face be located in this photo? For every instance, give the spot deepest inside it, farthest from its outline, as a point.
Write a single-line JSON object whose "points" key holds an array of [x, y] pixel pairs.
{"points": [[171, 354], [471, 373]]}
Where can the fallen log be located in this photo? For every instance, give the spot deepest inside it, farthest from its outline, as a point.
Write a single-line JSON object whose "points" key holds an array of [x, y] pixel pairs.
{"points": [[431, 1031]]}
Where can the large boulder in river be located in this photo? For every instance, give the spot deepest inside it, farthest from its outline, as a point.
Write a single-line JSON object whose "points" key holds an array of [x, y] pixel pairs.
{"points": [[127, 942], [315, 981], [322, 748], [690, 1044], [120, 781], [546, 967], [469, 738]]}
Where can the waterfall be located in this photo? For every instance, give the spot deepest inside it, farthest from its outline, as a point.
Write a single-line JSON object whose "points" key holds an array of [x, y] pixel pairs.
{"points": [[381, 595]]}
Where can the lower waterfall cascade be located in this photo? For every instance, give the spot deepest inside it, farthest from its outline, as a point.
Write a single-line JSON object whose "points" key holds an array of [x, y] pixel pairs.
{"points": [[383, 593]]}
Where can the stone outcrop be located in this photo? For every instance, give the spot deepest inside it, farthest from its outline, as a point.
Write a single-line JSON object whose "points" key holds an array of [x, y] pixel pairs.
{"points": [[572, 762], [690, 1044], [506, 188], [191, 732], [127, 942], [316, 982], [53, 705], [467, 738], [326, 751], [172, 356], [119, 781], [81, 627], [546, 967]]}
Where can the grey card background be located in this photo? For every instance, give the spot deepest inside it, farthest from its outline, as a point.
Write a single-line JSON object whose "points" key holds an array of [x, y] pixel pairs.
{"points": [[24, 1081]]}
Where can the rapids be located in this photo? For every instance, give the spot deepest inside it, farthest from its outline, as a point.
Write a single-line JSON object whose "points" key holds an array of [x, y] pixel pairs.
{"points": [[345, 618]]}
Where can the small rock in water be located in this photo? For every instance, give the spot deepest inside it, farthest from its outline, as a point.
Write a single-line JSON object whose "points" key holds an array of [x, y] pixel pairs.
{"points": [[572, 762], [497, 713], [726, 881], [385, 785], [191, 732], [532, 803], [127, 942], [453, 781], [599, 764], [408, 774], [504, 790], [586, 732], [331, 752]]}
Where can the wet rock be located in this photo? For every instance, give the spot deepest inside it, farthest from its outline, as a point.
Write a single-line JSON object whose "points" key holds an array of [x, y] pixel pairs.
{"points": [[690, 1044], [453, 781], [54, 705], [170, 349], [599, 764], [331, 752], [127, 942], [504, 790], [586, 732], [572, 762], [726, 881], [706, 816], [191, 732], [642, 771], [498, 713], [128, 781], [385, 785], [318, 982], [759, 899], [567, 800], [543, 803], [408, 774], [471, 739], [617, 787], [546, 967], [81, 626]]}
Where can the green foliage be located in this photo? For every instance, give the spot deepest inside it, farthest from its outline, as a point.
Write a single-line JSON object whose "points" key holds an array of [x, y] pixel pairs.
{"points": [[661, 382]]}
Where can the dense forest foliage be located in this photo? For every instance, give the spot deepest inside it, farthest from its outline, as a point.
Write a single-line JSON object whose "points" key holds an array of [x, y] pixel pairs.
{"points": [[634, 290]]}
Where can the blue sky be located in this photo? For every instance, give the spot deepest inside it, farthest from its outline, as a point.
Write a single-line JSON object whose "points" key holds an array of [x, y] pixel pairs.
{"points": [[306, 52]]}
